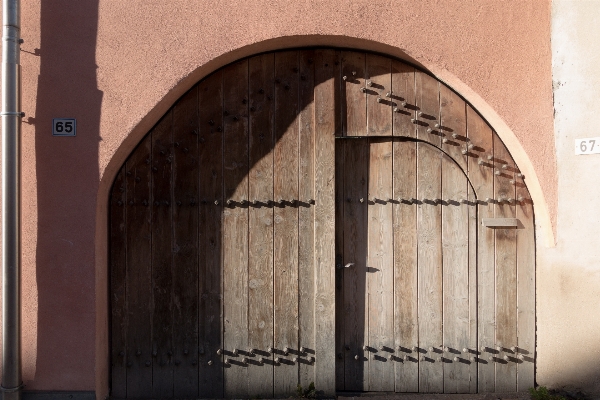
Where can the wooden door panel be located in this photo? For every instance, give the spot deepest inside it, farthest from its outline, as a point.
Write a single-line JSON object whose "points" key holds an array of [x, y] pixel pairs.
{"points": [[162, 260], [427, 108], [327, 100], [379, 106], [260, 225], [525, 289], [118, 288], [481, 173], [209, 202], [430, 269], [306, 217], [229, 219], [379, 268], [356, 190], [340, 314], [456, 289], [453, 127], [285, 190], [403, 99], [139, 271], [185, 246], [506, 271], [354, 94], [406, 332], [235, 228]]}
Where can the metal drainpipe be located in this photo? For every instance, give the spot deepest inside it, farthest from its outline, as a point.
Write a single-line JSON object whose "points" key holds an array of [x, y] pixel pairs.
{"points": [[11, 201]]}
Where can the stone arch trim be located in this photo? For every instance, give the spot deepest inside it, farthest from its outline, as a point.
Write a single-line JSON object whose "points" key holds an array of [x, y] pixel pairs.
{"points": [[476, 131]]}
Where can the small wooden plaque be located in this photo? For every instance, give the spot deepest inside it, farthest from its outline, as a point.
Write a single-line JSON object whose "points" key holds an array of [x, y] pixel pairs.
{"points": [[500, 222]]}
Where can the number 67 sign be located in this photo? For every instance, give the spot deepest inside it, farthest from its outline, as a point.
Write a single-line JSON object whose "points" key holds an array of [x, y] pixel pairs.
{"points": [[64, 127], [587, 146]]}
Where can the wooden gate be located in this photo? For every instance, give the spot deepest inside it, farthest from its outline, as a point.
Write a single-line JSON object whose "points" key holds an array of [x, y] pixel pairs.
{"points": [[235, 223], [409, 280]]}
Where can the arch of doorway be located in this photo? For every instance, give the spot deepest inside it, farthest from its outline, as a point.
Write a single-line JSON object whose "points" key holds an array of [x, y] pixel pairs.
{"points": [[499, 126]]}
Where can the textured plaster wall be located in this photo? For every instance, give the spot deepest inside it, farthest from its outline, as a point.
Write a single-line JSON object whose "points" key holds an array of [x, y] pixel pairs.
{"points": [[569, 274], [117, 65]]}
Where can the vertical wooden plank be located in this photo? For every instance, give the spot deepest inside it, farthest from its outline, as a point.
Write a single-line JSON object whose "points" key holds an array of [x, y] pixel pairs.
{"points": [[340, 335], [139, 270], [405, 266], [285, 191], [354, 97], [403, 99], [210, 173], [260, 225], [379, 83], [185, 246], [455, 256], [481, 176], [525, 289], [453, 129], [118, 289], [235, 226], [430, 268], [306, 217], [325, 128], [380, 267], [355, 222], [470, 354], [162, 260], [506, 272], [427, 108]]}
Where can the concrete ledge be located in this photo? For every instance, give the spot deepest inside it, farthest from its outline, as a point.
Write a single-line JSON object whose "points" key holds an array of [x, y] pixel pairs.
{"points": [[51, 395]]}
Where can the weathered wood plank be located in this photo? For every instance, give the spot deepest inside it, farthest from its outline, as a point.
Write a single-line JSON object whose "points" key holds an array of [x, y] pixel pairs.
{"points": [[453, 129], [355, 223], [380, 266], [455, 256], [473, 288], [139, 270], [405, 266], [525, 289], [235, 226], [162, 258], [430, 268], [260, 229], [340, 336], [481, 173], [285, 191], [379, 110], [118, 289], [210, 171], [325, 127], [185, 246], [403, 99], [306, 218], [506, 272], [427, 108], [354, 97]]}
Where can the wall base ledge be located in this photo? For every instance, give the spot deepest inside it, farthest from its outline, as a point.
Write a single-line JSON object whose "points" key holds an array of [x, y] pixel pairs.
{"points": [[58, 395]]}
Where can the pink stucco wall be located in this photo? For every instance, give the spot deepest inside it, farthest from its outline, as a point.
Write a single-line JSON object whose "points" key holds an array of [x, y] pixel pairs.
{"points": [[116, 66]]}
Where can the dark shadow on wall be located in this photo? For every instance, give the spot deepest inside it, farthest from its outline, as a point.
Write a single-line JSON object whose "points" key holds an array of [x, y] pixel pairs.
{"points": [[67, 185]]}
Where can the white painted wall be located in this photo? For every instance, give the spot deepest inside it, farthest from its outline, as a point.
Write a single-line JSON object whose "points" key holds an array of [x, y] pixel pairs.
{"points": [[568, 285]]}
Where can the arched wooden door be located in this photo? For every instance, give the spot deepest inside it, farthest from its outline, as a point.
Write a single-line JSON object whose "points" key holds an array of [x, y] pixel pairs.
{"points": [[409, 315], [229, 218]]}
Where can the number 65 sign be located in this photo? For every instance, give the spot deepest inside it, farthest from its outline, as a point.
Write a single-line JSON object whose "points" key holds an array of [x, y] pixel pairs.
{"points": [[587, 146], [64, 127]]}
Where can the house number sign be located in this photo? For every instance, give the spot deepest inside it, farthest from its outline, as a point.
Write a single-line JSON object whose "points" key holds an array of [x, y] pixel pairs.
{"points": [[587, 146], [64, 127]]}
